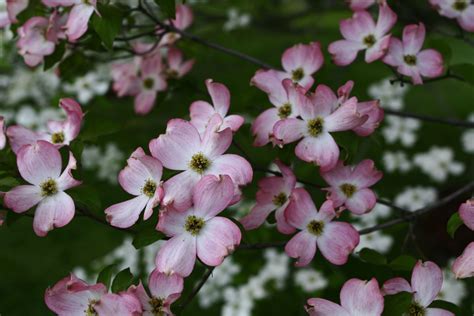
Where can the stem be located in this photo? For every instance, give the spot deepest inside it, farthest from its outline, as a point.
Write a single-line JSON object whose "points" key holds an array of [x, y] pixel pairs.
{"points": [[432, 119], [198, 287]]}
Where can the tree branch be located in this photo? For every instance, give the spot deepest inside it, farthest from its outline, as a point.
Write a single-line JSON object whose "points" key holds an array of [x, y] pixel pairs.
{"points": [[432, 119], [198, 287]]}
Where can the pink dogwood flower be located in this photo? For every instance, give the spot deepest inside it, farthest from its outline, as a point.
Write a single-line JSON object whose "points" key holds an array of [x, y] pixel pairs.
{"points": [[59, 133], [361, 33], [72, 296], [336, 240], [463, 266], [164, 290], [183, 19], [177, 67], [40, 165], [318, 119], [349, 186], [274, 194], [183, 148], [408, 57], [201, 111], [466, 212], [3, 138], [14, 7], [125, 78], [79, 15], [461, 10], [198, 231], [142, 178], [426, 282], [358, 297]]}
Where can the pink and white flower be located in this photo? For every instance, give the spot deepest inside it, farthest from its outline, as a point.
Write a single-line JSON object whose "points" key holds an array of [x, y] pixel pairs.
{"points": [[426, 282], [466, 212], [358, 297], [318, 119], [72, 296], [198, 232], [40, 165], [349, 186], [183, 19], [461, 10], [336, 240], [59, 133], [201, 111], [164, 290], [463, 266], [274, 194], [3, 138], [183, 148], [408, 57], [125, 78], [142, 178], [361, 33], [177, 67], [14, 7]]}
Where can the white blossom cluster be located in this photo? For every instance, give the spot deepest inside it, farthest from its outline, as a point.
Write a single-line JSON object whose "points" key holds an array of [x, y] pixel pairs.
{"points": [[310, 280], [396, 161], [390, 95], [107, 162], [375, 240], [236, 19], [453, 290], [467, 138], [414, 198], [92, 84], [438, 163]]}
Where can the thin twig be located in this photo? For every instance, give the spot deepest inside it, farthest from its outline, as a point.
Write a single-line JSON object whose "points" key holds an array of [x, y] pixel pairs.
{"points": [[196, 289], [432, 119]]}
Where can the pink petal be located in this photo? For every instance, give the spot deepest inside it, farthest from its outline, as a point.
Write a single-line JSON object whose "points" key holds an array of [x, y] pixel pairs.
{"points": [[375, 115], [386, 20], [3, 139], [326, 212], [15, 7], [19, 136], [466, 20], [307, 57], [301, 247], [218, 238], [144, 102], [338, 175], [322, 307], [396, 285], [430, 63], [301, 209], [258, 214], [344, 52], [356, 28], [463, 266], [52, 212], [466, 212], [413, 38], [365, 174], [125, 214], [321, 150], [289, 130], [378, 50], [162, 285], [178, 190], [77, 22], [22, 198], [66, 180], [235, 166], [437, 312], [215, 142], [324, 103], [262, 127], [362, 297], [118, 304], [394, 56], [39, 162], [361, 202], [338, 241], [426, 282], [177, 255], [234, 122], [172, 222], [269, 81], [212, 194], [138, 170], [337, 197], [288, 175], [200, 112], [344, 118], [220, 96], [184, 17], [282, 224], [74, 114]]}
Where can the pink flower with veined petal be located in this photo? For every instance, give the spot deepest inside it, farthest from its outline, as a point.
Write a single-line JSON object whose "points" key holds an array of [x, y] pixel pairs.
{"points": [[336, 240], [177, 67], [164, 290], [79, 15], [463, 266], [126, 79], [72, 296], [358, 297], [408, 57], [198, 232], [60, 132], [3, 138], [142, 178], [466, 212], [183, 19], [201, 111], [361, 33], [183, 148], [350, 186], [40, 165], [273, 195], [426, 282], [14, 7], [284, 95], [318, 119], [461, 10]]}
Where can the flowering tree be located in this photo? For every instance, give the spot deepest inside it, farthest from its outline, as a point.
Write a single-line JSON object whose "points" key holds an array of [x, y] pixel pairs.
{"points": [[288, 168]]}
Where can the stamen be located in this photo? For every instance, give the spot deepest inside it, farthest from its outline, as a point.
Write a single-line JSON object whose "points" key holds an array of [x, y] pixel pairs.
{"points": [[460, 5], [315, 126], [199, 163], [297, 74], [149, 188], [284, 111], [194, 224], [280, 199], [148, 83], [49, 187], [416, 309], [157, 306], [57, 138], [348, 189], [369, 40], [316, 227], [410, 59]]}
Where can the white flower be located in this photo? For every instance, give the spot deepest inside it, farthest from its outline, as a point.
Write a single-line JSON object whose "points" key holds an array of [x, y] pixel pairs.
{"points": [[30, 118], [438, 163], [403, 129], [108, 163], [235, 19], [375, 240], [310, 280], [453, 290], [396, 160], [467, 137], [39, 86], [390, 95], [414, 198], [371, 218], [88, 86]]}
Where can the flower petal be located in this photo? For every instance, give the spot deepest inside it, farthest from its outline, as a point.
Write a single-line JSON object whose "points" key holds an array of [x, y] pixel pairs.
{"points": [[66, 180], [235, 166], [413, 38], [172, 222], [322, 307], [430, 63], [22, 198], [463, 266], [262, 127], [301, 247], [361, 202], [362, 297], [396, 285], [53, 211], [212, 194], [39, 162], [177, 255], [220, 96], [321, 150], [19, 136], [345, 117], [466, 212], [289, 130], [426, 282], [301, 209], [178, 190], [257, 216], [125, 214], [144, 102], [338, 241], [162, 285], [77, 22], [344, 52]]}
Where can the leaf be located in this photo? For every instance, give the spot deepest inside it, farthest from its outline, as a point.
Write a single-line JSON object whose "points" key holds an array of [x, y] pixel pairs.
{"points": [[122, 281], [74, 65], [105, 276], [443, 47], [403, 263], [371, 256], [146, 237], [466, 71], [94, 129], [454, 223], [108, 25], [55, 57], [398, 304], [447, 306], [12, 217], [87, 198], [7, 183], [168, 7]]}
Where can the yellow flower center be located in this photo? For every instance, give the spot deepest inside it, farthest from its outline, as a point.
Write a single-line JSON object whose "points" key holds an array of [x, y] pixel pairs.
{"points": [[316, 227], [315, 126], [199, 163], [49, 187], [57, 138], [348, 189], [194, 224]]}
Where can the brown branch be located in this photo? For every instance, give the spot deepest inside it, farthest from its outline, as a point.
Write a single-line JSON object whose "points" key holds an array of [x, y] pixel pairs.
{"points": [[432, 119], [196, 289]]}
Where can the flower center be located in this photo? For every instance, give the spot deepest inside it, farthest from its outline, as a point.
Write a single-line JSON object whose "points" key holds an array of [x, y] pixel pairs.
{"points": [[157, 306], [148, 83], [57, 138], [280, 199], [49, 187], [459, 5], [172, 74], [284, 111], [90, 311], [410, 59], [348, 189], [194, 224], [369, 40], [315, 126], [199, 163], [316, 227], [149, 188], [297, 74], [416, 309]]}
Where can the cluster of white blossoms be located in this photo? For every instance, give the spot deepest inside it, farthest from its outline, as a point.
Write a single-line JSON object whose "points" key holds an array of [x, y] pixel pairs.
{"points": [[236, 19], [92, 84], [414, 198], [467, 137], [396, 161], [438, 163], [390, 95], [401, 129], [310, 280], [107, 161], [452, 290]]}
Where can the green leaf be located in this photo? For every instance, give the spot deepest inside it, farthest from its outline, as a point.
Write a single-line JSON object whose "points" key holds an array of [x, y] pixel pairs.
{"points": [[454, 223], [466, 71], [86, 198], [122, 281], [74, 65], [108, 25], [168, 7], [105, 276], [447, 306], [12, 217], [146, 237], [403, 263], [7, 183], [94, 129], [443, 47], [371, 256], [398, 304], [55, 57]]}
